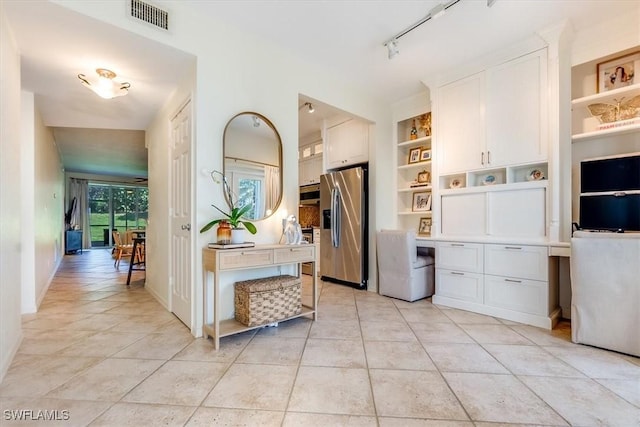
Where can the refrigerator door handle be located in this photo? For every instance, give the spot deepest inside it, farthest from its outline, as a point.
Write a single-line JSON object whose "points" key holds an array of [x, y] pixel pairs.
{"points": [[332, 219], [337, 218]]}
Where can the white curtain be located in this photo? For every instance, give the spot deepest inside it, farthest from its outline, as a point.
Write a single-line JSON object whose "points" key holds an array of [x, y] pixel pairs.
{"points": [[79, 190], [272, 185]]}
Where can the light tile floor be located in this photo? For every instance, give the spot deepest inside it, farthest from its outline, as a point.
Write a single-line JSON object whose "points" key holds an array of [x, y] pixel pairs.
{"points": [[112, 356]]}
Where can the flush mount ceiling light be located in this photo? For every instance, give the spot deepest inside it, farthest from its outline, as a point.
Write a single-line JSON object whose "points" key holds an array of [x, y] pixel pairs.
{"points": [[435, 12], [104, 85], [309, 106]]}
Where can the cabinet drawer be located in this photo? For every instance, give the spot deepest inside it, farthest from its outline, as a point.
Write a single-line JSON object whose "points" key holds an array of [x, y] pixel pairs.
{"points": [[240, 259], [460, 256], [526, 296], [460, 285], [527, 262], [295, 254]]}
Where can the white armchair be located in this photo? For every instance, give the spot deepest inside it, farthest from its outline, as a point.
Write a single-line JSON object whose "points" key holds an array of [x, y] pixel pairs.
{"points": [[402, 272]]}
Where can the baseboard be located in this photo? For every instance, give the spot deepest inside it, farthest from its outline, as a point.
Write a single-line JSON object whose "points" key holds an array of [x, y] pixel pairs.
{"points": [[163, 302], [44, 291], [546, 322], [6, 363]]}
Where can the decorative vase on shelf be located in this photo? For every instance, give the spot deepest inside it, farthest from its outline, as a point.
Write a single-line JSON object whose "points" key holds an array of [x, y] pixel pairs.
{"points": [[414, 132], [224, 232], [237, 235]]}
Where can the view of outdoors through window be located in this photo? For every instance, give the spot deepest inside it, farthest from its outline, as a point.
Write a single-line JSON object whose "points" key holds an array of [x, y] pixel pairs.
{"points": [[250, 189], [117, 208]]}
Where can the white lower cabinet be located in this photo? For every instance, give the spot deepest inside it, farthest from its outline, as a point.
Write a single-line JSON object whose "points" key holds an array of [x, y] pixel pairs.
{"points": [[460, 285], [522, 295], [509, 281], [523, 261]]}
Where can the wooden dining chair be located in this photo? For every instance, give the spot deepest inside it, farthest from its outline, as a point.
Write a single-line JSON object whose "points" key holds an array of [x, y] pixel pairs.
{"points": [[120, 248]]}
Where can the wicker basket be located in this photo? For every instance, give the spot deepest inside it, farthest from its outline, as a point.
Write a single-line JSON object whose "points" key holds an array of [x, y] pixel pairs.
{"points": [[267, 300]]}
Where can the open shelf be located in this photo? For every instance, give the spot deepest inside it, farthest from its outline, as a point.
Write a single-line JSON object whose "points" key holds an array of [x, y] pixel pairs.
{"points": [[415, 142], [587, 136], [232, 326], [416, 165], [608, 97], [426, 214]]}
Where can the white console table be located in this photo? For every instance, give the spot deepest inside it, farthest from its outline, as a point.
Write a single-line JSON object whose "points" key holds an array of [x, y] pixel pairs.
{"points": [[216, 262]]}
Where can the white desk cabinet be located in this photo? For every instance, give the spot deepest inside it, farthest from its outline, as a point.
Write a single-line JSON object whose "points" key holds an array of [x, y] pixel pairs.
{"points": [[509, 281], [216, 262]]}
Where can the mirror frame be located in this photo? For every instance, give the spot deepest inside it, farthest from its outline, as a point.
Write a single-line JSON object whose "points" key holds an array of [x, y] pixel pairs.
{"points": [[279, 139]]}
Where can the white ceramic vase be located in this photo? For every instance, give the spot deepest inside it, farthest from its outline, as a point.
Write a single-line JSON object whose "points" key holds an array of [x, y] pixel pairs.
{"points": [[237, 235]]}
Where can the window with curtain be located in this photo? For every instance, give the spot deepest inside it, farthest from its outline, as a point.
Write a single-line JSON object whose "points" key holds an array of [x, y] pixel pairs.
{"points": [[116, 207]]}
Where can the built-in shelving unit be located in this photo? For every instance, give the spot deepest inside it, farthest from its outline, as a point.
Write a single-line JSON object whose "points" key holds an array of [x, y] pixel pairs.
{"points": [[496, 177], [587, 127], [414, 171]]}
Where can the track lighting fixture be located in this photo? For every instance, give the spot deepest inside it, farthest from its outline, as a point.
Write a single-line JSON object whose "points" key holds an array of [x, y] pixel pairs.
{"points": [[436, 12], [104, 86], [392, 46], [309, 106]]}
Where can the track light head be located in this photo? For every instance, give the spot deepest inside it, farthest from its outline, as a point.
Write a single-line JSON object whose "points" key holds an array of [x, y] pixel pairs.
{"points": [[437, 11], [310, 108], [392, 47]]}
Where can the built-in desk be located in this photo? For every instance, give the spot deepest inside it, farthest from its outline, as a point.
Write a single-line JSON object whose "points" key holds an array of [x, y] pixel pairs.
{"points": [[216, 262]]}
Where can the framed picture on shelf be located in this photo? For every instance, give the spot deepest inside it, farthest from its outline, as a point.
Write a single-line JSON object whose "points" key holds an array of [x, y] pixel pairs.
{"points": [[424, 227], [421, 201], [414, 155], [618, 72], [425, 155], [424, 177]]}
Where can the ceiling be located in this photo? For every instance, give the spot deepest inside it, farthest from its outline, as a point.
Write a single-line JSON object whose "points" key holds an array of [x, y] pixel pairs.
{"points": [[342, 37], [94, 135]]}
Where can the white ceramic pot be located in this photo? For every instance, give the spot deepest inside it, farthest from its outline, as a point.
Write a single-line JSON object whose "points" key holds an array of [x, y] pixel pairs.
{"points": [[237, 235]]}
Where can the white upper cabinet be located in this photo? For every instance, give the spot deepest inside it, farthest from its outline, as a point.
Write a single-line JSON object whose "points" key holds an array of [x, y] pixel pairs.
{"points": [[515, 107], [461, 124], [495, 117], [346, 144]]}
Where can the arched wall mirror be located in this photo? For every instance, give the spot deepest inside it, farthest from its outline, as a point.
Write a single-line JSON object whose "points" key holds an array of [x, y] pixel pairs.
{"points": [[252, 151]]}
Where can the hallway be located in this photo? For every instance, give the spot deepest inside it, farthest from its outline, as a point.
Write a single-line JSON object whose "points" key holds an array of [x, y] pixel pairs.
{"points": [[102, 355]]}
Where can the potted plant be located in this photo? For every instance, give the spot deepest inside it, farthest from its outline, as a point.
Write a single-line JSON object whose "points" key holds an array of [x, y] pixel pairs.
{"points": [[234, 217]]}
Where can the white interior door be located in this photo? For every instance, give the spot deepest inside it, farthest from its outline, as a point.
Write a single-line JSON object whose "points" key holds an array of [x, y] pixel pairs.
{"points": [[180, 213]]}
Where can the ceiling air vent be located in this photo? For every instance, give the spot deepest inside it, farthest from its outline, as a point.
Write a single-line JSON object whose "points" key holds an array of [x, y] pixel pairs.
{"points": [[150, 14]]}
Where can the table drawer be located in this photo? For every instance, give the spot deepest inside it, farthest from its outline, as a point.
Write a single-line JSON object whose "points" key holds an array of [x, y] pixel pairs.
{"points": [[527, 262], [460, 256], [295, 254], [526, 296], [460, 285], [242, 259]]}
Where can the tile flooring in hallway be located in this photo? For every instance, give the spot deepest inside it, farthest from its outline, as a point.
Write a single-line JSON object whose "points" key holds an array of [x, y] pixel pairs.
{"points": [[104, 355]]}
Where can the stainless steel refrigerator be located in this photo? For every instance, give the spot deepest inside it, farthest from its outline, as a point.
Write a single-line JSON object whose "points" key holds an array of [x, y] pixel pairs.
{"points": [[343, 229]]}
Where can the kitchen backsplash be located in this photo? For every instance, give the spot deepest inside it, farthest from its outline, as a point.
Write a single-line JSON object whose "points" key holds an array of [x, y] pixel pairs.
{"points": [[309, 216]]}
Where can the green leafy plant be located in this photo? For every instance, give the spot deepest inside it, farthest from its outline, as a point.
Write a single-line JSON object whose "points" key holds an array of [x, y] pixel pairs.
{"points": [[234, 217]]}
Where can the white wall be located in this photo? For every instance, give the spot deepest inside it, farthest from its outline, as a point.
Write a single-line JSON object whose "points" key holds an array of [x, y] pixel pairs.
{"points": [[10, 222], [157, 243], [48, 206], [27, 197], [41, 204], [247, 75]]}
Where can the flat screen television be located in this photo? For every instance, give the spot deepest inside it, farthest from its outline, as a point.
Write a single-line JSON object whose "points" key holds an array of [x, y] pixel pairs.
{"points": [[610, 174], [610, 212]]}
